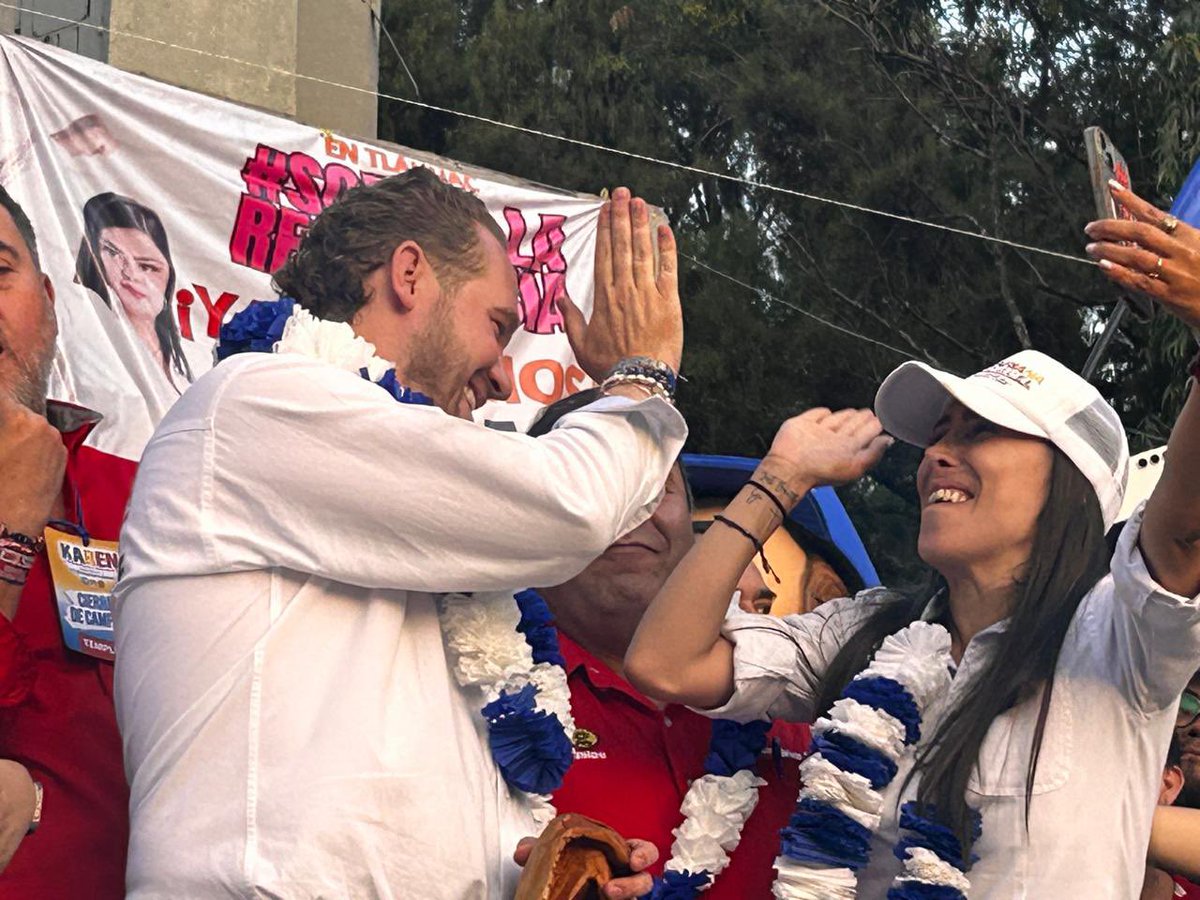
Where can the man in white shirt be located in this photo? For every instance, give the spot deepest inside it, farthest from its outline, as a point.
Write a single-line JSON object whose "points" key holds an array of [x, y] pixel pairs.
{"points": [[291, 725]]}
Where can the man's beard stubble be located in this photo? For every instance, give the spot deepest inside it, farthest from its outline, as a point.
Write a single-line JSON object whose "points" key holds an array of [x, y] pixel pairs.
{"points": [[30, 369], [436, 356]]}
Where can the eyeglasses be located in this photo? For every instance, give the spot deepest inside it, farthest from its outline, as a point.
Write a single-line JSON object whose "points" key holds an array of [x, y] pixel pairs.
{"points": [[1189, 710]]}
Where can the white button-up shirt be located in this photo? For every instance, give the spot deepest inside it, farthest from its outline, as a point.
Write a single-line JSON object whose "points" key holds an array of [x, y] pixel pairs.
{"points": [[1126, 658], [291, 726]]}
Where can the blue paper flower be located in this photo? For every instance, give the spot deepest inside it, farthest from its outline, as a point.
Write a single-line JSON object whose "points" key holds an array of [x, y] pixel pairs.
{"points": [[734, 746], [891, 697], [679, 885], [907, 889], [820, 833], [537, 624], [933, 835], [854, 756], [529, 745], [256, 328]]}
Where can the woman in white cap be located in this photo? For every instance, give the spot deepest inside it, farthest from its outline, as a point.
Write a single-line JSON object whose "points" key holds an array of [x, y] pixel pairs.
{"points": [[1017, 715]]}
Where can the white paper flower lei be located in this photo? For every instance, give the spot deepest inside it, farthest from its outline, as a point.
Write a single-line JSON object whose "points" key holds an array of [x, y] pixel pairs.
{"points": [[331, 342]]}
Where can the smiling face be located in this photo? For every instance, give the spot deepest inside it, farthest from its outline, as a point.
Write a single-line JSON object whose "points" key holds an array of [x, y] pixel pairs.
{"points": [[604, 603], [27, 324], [457, 356], [135, 270], [982, 488], [639, 562]]}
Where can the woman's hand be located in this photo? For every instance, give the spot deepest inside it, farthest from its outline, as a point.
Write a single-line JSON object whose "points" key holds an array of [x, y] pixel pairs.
{"points": [[1160, 256], [822, 447], [1161, 259]]}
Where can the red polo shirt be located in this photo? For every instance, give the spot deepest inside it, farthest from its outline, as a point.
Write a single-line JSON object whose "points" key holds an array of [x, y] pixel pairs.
{"points": [[636, 775], [1184, 888], [56, 712]]}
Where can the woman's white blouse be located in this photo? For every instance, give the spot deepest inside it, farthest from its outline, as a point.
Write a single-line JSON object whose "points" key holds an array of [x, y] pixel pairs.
{"points": [[1127, 656]]}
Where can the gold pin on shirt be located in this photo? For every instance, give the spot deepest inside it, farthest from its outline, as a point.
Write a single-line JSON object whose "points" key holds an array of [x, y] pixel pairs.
{"points": [[583, 739]]}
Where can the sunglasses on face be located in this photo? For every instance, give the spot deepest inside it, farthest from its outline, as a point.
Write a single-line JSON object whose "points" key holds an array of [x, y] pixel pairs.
{"points": [[1189, 710]]}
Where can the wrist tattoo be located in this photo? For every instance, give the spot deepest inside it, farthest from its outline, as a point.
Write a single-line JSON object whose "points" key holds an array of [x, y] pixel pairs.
{"points": [[778, 487]]}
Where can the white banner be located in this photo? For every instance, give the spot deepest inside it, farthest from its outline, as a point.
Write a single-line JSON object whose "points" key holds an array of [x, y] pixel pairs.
{"points": [[161, 212]]}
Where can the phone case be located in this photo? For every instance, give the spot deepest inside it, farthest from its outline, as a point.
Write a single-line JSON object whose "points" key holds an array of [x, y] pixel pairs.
{"points": [[1104, 162]]}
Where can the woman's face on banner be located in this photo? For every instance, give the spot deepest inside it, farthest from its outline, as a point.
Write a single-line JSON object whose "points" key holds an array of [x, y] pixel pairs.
{"points": [[135, 270]]}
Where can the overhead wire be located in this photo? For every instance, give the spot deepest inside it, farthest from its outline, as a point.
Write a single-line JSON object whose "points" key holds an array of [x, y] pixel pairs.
{"points": [[629, 154], [768, 297]]}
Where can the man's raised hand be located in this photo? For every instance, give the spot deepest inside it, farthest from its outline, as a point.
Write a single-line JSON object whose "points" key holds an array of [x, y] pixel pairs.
{"points": [[634, 312], [32, 462]]}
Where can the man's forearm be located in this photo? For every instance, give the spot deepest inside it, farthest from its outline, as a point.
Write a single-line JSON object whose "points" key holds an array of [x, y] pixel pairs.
{"points": [[1175, 841]]}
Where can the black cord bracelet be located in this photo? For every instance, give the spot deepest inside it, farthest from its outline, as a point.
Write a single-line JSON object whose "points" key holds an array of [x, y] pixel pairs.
{"points": [[758, 546], [783, 513]]}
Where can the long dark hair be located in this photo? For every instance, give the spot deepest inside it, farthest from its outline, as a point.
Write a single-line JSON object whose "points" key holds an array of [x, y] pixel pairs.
{"points": [[1069, 556], [109, 210]]}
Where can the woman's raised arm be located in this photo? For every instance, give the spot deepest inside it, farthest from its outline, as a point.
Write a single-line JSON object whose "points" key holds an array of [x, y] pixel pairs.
{"points": [[678, 654]]}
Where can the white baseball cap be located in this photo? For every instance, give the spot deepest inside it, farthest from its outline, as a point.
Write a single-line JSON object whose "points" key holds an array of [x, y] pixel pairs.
{"points": [[1028, 392]]}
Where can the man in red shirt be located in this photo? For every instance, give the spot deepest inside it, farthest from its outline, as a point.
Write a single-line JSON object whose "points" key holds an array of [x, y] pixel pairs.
{"points": [[60, 753], [634, 758]]}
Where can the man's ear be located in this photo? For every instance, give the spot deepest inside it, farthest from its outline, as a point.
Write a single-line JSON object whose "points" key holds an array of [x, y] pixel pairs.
{"points": [[408, 271], [1172, 784], [48, 285]]}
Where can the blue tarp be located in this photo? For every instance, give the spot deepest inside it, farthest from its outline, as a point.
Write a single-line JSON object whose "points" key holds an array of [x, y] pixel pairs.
{"points": [[820, 512], [1187, 201]]}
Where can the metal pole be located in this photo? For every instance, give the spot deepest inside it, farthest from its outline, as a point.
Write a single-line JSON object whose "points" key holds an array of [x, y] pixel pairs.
{"points": [[1100, 348]]}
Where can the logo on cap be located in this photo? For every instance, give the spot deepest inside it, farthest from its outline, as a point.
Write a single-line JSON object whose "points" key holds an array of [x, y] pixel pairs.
{"points": [[1008, 372]]}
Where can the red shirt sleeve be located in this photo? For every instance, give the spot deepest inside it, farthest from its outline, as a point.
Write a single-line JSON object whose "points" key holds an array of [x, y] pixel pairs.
{"points": [[16, 666]]}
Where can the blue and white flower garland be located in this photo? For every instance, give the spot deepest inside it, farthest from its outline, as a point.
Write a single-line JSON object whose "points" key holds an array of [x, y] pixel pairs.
{"points": [[510, 652], [715, 810], [504, 645], [855, 756], [280, 326]]}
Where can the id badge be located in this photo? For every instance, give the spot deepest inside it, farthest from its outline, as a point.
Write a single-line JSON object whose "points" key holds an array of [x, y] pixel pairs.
{"points": [[84, 576]]}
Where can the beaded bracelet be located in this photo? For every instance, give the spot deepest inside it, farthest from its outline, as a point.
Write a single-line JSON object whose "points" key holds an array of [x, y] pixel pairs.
{"points": [[651, 386], [18, 553], [643, 370]]}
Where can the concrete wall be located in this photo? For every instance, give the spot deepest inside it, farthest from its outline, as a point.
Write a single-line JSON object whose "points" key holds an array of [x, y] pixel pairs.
{"points": [[337, 41], [330, 39], [79, 38]]}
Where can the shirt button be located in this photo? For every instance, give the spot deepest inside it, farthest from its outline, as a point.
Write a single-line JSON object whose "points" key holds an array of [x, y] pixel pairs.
{"points": [[667, 721]]}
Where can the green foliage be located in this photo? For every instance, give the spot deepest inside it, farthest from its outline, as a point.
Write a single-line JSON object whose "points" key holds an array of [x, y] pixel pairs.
{"points": [[965, 113]]}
